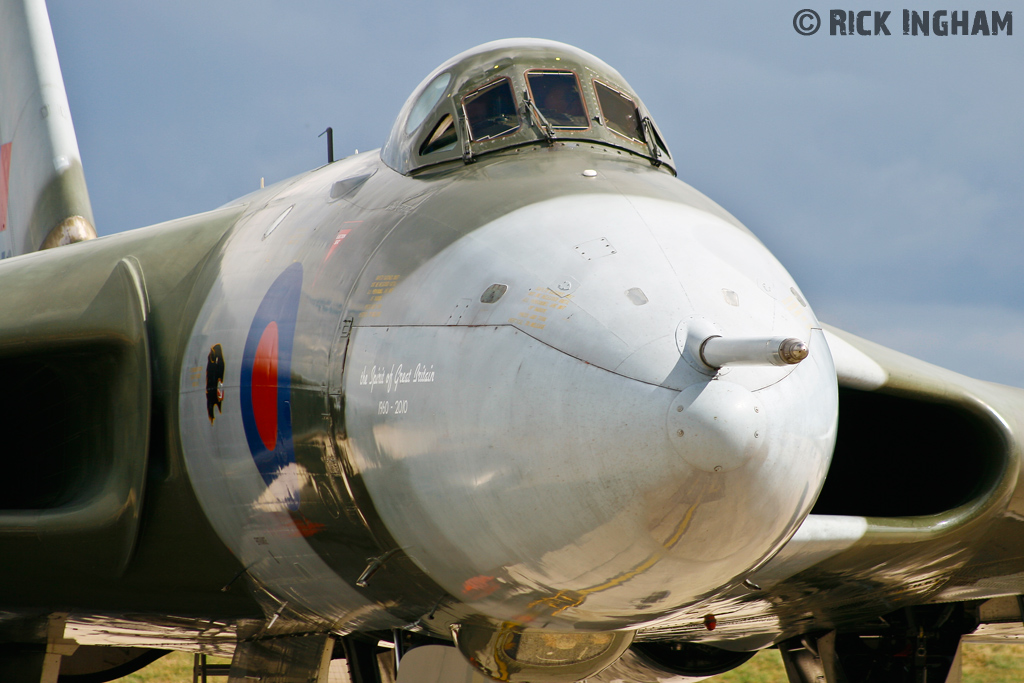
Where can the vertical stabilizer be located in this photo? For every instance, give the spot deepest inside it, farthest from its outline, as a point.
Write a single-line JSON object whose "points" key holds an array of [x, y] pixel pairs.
{"points": [[43, 199]]}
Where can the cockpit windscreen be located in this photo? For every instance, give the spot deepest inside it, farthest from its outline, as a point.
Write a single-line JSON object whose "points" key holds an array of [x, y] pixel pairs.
{"points": [[491, 110], [442, 138], [558, 98], [620, 113]]}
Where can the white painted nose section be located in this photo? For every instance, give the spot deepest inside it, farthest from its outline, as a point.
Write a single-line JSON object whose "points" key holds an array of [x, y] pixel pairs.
{"points": [[717, 426], [567, 464]]}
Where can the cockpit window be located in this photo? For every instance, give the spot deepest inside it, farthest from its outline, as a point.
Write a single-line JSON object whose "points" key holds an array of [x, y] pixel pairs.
{"points": [[558, 98], [520, 97], [428, 98], [657, 139], [491, 110], [443, 137], [620, 113]]}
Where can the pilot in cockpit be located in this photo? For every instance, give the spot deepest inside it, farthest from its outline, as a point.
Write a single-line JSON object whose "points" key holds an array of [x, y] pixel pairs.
{"points": [[559, 99]]}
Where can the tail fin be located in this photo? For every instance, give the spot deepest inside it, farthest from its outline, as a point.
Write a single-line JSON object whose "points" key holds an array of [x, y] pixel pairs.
{"points": [[43, 199]]}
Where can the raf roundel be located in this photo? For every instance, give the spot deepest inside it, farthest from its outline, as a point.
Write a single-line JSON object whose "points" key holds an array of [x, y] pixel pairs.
{"points": [[264, 390], [266, 383]]}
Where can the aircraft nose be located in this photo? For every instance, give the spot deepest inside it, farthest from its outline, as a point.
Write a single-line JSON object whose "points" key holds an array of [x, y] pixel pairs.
{"points": [[716, 426], [558, 454]]}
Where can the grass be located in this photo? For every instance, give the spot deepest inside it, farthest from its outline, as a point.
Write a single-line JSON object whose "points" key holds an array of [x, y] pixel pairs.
{"points": [[765, 667], [993, 663], [982, 664], [173, 668]]}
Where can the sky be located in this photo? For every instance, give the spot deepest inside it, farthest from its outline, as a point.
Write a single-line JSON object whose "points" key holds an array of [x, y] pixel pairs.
{"points": [[884, 171]]}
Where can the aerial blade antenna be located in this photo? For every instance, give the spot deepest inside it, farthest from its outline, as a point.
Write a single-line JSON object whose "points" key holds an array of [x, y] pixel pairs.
{"points": [[43, 199]]}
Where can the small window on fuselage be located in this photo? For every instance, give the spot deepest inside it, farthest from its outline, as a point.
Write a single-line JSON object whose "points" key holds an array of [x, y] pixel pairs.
{"points": [[619, 112], [442, 138], [558, 98], [491, 110]]}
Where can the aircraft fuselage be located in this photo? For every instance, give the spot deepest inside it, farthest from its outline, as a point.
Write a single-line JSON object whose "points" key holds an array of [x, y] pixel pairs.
{"points": [[473, 389]]}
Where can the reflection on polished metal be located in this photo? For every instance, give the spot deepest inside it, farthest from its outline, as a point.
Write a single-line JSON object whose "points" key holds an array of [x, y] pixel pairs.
{"points": [[289, 659], [717, 351], [792, 351], [510, 652]]}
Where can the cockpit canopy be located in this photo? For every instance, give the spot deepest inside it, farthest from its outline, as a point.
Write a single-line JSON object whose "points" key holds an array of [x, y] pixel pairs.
{"points": [[517, 92]]}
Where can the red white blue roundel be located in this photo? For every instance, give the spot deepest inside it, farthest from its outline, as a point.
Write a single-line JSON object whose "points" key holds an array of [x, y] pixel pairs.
{"points": [[266, 385]]}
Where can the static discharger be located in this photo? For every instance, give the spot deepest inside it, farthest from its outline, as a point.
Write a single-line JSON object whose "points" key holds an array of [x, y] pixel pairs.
{"points": [[716, 352]]}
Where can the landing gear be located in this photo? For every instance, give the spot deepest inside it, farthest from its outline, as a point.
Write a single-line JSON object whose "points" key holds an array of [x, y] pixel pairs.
{"points": [[374, 657], [364, 659], [916, 645]]}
